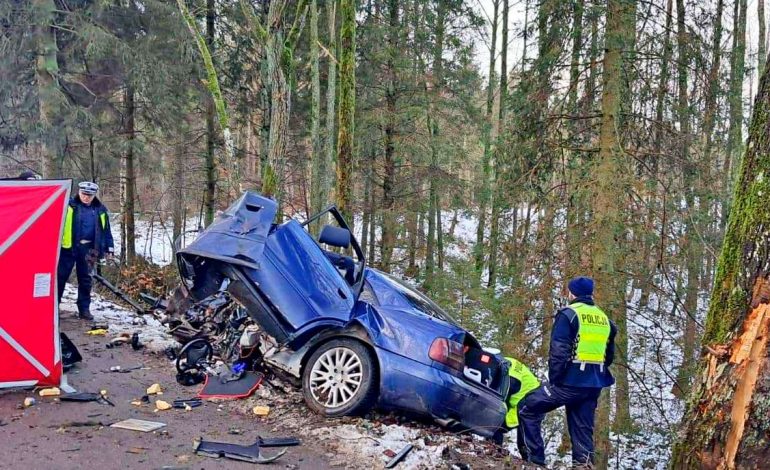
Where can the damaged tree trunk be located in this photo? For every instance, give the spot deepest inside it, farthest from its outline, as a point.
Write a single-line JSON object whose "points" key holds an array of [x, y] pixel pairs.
{"points": [[727, 418]]}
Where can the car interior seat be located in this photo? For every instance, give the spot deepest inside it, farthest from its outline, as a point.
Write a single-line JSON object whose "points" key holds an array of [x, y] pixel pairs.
{"points": [[339, 238]]}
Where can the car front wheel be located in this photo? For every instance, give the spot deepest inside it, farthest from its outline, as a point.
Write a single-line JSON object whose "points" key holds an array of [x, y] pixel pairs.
{"points": [[339, 378]]}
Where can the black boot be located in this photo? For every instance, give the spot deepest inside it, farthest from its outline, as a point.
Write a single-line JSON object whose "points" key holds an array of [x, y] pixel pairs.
{"points": [[85, 315]]}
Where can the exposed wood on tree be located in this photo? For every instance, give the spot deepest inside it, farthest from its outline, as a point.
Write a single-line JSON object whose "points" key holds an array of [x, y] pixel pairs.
{"points": [[726, 421]]}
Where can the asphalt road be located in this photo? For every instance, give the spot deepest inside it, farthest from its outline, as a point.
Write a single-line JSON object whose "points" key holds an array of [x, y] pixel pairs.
{"points": [[51, 434]]}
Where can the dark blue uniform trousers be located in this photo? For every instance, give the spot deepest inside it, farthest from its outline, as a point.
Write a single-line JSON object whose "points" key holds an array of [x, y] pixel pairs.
{"points": [[581, 406], [76, 257]]}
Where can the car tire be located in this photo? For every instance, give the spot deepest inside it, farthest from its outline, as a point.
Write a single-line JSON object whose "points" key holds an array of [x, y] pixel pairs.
{"points": [[340, 378]]}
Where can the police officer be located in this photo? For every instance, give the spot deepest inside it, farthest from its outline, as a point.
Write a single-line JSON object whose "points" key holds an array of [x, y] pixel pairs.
{"points": [[86, 239], [522, 382], [582, 349]]}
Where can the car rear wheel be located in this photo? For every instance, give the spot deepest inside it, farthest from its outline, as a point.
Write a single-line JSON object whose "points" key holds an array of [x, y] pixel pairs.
{"points": [[339, 378]]}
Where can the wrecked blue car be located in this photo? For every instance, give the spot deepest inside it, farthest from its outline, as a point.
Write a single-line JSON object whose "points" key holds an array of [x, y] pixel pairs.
{"points": [[353, 336]]}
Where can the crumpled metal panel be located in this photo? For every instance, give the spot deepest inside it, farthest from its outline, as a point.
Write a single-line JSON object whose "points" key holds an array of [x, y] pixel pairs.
{"points": [[239, 234]]}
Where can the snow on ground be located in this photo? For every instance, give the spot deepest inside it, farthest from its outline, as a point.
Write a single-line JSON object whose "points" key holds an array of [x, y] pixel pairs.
{"points": [[360, 443], [154, 238], [654, 352], [120, 320]]}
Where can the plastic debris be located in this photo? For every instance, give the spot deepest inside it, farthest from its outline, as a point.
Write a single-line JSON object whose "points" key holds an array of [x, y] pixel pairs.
{"points": [[400, 456], [261, 410], [50, 392], [162, 405], [249, 453], [97, 332], [155, 389], [29, 401], [138, 425]]}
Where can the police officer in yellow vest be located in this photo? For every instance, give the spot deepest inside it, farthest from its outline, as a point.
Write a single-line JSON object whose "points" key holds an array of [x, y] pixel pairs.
{"points": [[522, 381], [582, 350], [86, 239]]}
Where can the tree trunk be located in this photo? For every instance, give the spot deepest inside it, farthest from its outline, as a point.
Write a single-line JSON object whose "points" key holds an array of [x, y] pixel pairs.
{"points": [[710, 111], [346, 132], [609, 194], [726, 422], [762, 48], [331, 97], [735, 97], [46, 73], [689, 169], [389, 170], [484, 192], [494, 231], [366, 216], [178, 193], [577, 44], [209, 198], [129, 206], [212, 82], [318, 172]]}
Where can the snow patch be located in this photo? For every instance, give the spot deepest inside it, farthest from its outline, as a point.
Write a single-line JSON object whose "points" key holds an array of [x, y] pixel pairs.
{"points": [[120, 320]]}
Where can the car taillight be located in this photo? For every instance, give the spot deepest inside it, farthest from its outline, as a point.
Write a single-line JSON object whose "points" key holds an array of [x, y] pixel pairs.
{"points": [[447, 352]]}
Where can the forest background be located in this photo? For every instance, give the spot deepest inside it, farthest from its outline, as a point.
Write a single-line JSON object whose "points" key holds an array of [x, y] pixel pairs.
{"points": [[487, 150]]}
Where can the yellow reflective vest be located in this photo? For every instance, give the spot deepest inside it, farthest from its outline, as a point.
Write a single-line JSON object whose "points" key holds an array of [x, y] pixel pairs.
{"points": [[528, 382], [593, 334], [66, 239]]}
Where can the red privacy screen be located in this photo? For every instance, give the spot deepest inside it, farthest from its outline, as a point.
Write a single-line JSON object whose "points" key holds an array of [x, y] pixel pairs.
{"points": [[31, 220]]}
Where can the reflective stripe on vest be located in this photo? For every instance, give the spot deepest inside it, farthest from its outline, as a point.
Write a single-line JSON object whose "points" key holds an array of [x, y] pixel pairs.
{"points": [[66, 239], [103, 219], [593, 334], [528, 381]]}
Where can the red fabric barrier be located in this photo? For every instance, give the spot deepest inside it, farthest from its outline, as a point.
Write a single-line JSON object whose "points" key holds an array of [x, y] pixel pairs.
{"points": [[31, 223]]}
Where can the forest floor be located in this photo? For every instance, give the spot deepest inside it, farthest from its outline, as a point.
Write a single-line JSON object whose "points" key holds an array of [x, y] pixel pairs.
{"points": [[77, 435]]}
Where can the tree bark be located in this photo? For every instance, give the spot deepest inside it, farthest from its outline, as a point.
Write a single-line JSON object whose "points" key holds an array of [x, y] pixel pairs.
{"points": [[212, 82], [484, 192], [46, 73], [209, 198], [130, 183], [494, 231], [710, 110], [346, 130], [735, 97], [762, 48], [318, 172], [726, 422], [609, 194], [389, 167], [331, 97]]}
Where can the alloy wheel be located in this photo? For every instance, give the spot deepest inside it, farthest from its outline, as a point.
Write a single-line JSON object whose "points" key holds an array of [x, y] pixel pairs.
{"points": [[336, 376]]}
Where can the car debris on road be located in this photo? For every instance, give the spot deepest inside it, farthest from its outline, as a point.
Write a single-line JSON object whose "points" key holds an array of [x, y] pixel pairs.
{"points": [[247, 453]]}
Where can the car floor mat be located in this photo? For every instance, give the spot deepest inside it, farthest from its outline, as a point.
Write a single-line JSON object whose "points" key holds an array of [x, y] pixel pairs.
{"points": [[241, 388]]}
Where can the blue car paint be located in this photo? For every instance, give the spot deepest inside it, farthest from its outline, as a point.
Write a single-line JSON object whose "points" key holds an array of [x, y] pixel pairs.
{"points": [[239, 234], [299, 281], [309, 296]]}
